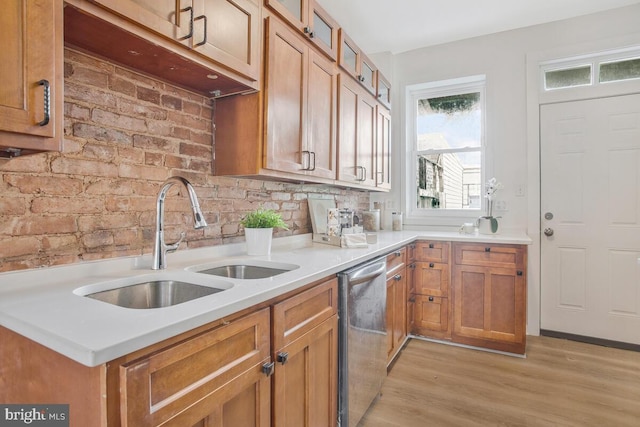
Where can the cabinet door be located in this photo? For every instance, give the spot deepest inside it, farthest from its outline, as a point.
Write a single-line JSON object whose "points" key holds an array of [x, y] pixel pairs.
{"points": [[383, 148], [323, 31], [30, 75], [228, 31], [169, 18], [321, 116], [287, 78], [396, 313], [348, 130], [356, 134], [305, 380], [431, 278], [190, 381], [489, 307], [295, 12]]}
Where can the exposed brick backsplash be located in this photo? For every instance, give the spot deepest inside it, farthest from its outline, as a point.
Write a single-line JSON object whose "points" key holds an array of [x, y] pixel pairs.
{"points": [[124, 134]]}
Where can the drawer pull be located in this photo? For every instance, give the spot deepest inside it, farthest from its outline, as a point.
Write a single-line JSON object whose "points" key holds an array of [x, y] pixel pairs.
{"points": [[282, 357], [487, 249], [430, 245], [397, 277], [430, 299], [398, 253], [268, 368], [431, 265], [519, 273]]}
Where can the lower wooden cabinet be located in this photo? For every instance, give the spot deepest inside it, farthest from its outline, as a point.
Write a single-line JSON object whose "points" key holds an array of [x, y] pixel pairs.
{"points": [[215, 378], [305, 337], [469, 293], [489, 294], [275, 364], [396, 302]]}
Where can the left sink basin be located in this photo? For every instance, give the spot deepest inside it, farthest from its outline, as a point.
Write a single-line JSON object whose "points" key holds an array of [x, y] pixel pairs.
{"points": [[153, 293]]}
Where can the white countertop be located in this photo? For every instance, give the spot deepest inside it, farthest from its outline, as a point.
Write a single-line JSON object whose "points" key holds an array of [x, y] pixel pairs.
{"points": [[47, 304]]}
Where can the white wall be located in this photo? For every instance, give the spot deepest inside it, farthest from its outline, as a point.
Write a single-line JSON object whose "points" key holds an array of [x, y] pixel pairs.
{"points": [[511, 145]]}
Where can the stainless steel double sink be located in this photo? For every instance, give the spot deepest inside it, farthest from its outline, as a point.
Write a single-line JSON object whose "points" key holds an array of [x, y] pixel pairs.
{"points": [[165, 292]]}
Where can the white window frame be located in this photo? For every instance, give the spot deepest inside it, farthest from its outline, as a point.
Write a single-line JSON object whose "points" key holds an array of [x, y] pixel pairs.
{"points": [[438, 217]]}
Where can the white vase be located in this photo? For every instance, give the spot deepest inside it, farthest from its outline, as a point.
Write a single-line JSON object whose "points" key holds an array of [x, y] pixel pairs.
{"points": [[258, 240]]}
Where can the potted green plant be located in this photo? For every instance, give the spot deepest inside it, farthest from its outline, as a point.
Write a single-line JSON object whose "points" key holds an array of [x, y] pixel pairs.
{"points": [[258, 230]]}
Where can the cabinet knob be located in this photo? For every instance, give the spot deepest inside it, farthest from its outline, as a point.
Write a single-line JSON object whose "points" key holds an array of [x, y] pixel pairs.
{"points": [[268, 368], [398, 253], [282, 357], [397, 277], [361, 78], [430, 245], [487, 249], [519, 273], [431, 265], [412, 265], [412, 299], [430, 299]]}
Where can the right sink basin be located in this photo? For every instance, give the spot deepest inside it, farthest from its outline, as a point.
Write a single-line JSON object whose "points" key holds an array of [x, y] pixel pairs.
{"points": [[247, 270]]}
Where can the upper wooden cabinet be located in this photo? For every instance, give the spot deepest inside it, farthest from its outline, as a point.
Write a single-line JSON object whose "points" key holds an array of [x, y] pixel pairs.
{"points": [[383, 90], [357, 64], [311, 20], [31, 77], [356, 135], [296, 109], [210, 46]]}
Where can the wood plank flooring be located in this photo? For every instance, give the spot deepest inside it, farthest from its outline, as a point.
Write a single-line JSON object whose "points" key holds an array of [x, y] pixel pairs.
{"points": [[560, 383]]}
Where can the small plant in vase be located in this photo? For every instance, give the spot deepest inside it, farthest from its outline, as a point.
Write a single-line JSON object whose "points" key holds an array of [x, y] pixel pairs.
{"points": [[258, 230], [488, 224]]}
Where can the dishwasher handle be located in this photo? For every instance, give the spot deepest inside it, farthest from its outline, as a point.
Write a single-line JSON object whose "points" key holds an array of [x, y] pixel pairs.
{"points": [[366, 273]]}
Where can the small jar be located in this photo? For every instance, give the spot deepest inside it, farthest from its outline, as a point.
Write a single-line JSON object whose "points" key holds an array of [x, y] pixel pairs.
{"points": [[396, 221], [371, 220]]}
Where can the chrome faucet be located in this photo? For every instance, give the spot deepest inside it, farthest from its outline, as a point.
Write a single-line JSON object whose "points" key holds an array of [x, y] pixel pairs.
{"points": [[161, 249]]}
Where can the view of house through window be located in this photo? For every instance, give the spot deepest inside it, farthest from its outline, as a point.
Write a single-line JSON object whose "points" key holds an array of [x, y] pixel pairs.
{"points": [[449, 149]]}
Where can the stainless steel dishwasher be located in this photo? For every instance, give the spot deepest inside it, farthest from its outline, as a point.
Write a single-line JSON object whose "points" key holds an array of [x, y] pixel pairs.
{"points": [[362, 339]]}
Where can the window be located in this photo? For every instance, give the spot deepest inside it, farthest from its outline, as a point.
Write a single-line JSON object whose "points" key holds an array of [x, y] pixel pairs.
{"points": [[591, 70], [446, 143]]}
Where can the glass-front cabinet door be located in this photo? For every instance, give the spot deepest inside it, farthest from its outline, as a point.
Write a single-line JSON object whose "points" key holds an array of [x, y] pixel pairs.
{"points": [[311, 20], [355, 63]]}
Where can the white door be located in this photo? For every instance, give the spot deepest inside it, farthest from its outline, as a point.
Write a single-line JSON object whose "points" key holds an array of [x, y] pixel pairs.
{"points": [[590, 187]]}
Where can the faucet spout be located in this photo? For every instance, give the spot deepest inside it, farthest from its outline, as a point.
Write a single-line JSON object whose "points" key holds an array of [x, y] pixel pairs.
{"points": [[161, 248]]}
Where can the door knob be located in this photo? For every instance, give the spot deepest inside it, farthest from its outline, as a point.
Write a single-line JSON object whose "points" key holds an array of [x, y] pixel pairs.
{"points": [[548, 232]]}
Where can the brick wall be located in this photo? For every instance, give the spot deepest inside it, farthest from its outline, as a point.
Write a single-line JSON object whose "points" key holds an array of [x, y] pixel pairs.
{"points": [[124, 134]]}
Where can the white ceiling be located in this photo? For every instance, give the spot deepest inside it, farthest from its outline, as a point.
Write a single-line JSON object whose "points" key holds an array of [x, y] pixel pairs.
{"points": [[400, 25]]}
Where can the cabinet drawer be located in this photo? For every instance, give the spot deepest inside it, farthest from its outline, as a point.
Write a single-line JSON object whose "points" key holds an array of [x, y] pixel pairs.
{"points": [[299, 314], [396, 260], [432, 251], [431, 278], [487, 255], [430, 314], [160, 387]]}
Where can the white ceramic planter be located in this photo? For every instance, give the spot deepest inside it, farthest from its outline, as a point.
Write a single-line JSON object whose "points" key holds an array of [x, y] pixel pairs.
{"points": [[258, 240]]}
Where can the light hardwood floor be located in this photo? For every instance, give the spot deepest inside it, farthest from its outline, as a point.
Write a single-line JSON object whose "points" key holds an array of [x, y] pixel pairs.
{"points": [[560, 383]]}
